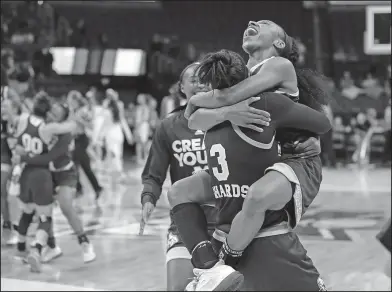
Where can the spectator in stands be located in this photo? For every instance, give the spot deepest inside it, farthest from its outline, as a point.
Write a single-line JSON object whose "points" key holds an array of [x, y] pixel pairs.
{"points": [[387, 134], [349, 90], [371, 86], [79, 35], [42, 62], [63, 32]]}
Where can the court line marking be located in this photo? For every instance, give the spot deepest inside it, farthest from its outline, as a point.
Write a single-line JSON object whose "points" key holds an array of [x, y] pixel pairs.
{"points": [[8, 284]]}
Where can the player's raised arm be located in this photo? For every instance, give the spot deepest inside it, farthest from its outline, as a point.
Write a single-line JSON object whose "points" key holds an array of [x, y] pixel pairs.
{"points": [[287, 113], [271, 75], [240, 114]]}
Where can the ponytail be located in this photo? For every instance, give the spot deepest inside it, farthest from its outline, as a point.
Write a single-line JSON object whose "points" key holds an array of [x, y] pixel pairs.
{"points": [[312, 85]]}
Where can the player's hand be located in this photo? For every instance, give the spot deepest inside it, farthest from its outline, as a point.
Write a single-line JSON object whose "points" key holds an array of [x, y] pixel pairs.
{"points": [[244, 115], [147, 209], [19, 150], [16, 159], [190, 109], [309, 148]]}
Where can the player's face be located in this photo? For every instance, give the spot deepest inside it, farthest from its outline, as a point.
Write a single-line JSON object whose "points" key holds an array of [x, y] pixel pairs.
{"points": [[191, 84], [260, 34], [56, 114], [141, 99]]}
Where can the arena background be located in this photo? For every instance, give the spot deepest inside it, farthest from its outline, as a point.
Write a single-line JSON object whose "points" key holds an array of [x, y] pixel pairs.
{"points": [[141, 47]]}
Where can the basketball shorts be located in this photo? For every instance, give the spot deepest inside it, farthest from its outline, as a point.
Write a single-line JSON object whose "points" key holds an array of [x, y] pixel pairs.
{"points": [[305, 176], [66, 178], [276, 262], [36, 186], [175, 248], [6, 155], [385, 235]]}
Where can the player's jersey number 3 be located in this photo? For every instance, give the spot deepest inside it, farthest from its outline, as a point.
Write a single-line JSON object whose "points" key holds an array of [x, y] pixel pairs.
{"points": [[222, 172]]}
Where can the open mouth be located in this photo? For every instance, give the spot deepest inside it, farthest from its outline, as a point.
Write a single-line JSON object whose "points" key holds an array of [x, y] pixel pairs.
{"points": [[251, 31]]}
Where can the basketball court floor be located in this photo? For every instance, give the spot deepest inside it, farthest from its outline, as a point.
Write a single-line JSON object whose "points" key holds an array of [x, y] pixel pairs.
{"points": [[338, 230]]}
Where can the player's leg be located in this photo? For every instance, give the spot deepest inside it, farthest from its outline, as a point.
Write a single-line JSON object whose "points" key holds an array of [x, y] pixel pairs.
{"points": [[28, 212], [185, 198], [41, 186], [66, 188], [278, 263], [5, 212], [299, 179], [179, 269]]}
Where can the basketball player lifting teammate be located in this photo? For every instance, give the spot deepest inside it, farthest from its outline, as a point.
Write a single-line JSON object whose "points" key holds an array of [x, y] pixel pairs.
{"points": [[269, 40], [64, 173]]}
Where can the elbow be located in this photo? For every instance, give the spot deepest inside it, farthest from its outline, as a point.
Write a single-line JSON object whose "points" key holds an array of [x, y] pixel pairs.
{"points": [[193, 123], [326, 126]]}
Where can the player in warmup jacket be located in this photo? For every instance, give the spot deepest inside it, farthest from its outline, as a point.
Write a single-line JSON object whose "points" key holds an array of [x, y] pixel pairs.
{"points": [[36, 185], [59, 161], [7, 202], [177, 147], [237, 159]]}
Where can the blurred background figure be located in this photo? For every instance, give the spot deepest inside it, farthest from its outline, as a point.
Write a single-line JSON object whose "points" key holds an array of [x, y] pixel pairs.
{"points": [[142, 127]]}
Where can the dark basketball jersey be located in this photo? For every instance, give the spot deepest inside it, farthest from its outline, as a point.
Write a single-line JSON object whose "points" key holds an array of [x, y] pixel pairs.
{"points": [[64, 161], [29, 136], [238, 157]]}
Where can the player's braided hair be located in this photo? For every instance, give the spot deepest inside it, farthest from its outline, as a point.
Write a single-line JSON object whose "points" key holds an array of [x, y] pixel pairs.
{"points": [[312, 85], [222, 69]]}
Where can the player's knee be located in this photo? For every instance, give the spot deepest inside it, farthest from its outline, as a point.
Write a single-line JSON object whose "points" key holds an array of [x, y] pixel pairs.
{"points": [[45, 223], [177, 194], [24, 223]]}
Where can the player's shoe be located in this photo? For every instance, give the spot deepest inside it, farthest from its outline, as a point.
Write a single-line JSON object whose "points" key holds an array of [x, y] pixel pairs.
{"points": [[10, 237], [219, 278], [88, 252], [34, 260], [49, 254], [21, 256]]}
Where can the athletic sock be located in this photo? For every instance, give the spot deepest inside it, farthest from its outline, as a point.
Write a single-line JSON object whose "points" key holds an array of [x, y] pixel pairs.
{"points": [[51, 242], [83, 238], [192, 225], [38, 246], [21, 246], [7, 225]]}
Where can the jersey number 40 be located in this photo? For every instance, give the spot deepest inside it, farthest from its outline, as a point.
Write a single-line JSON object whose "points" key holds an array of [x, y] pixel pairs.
{"points": [[218, 151]]}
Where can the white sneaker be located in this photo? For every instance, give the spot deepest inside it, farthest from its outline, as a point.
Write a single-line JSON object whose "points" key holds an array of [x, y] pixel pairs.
{"points": [[48, 254], [10, 237], [33, 242], [219, 278], [88, 252], [34, 260], [13, 239]]}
